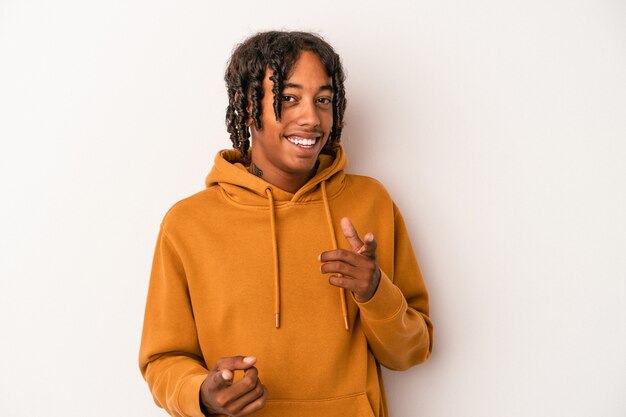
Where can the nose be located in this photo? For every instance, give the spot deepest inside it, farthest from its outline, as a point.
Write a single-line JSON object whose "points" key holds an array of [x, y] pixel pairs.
{"points": [[308, 115]]}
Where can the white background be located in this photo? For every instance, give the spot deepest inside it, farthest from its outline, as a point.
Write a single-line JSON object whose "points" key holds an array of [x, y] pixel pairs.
{"points": [[499, 128]]}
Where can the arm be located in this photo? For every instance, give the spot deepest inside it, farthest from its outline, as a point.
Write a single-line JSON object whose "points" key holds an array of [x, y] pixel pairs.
{"points": [[170, 358], [396, 319], [394, 308]]}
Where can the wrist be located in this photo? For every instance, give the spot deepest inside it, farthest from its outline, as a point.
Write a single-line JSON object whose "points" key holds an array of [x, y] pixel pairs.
{"points": [[203, 408]]}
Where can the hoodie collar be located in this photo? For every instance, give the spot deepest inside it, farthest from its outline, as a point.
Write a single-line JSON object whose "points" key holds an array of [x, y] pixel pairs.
{"points": [[232, 176]]}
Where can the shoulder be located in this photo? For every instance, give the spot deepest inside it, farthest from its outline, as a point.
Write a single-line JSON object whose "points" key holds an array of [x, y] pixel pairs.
{"points": [[367, 186], [189, 210]]}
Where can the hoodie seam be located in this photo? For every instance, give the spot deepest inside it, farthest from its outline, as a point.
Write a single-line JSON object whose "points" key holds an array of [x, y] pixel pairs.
{"points": [[317, 400], [282, 204], [400, 310]]}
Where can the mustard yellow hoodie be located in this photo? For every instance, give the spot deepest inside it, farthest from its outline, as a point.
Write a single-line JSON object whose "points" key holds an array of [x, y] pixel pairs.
{"points": [[236, 272]]}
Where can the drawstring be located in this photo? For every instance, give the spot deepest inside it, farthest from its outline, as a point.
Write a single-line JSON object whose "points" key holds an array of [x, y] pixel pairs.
{"points": [[268, 191], [329, 219]]}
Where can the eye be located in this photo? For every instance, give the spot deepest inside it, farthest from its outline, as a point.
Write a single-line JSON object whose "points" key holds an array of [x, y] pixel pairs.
{"points": [[288, 99], [324, 100]]}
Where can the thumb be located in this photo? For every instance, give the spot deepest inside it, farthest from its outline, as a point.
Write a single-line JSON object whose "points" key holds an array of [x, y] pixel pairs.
{"points": [[222, 372], [351, 234], [369, 247], [222, 378]]}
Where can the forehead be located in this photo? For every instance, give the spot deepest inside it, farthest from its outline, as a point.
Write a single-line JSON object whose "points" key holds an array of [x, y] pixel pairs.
{"points": [[307, 71], [308, 65]]}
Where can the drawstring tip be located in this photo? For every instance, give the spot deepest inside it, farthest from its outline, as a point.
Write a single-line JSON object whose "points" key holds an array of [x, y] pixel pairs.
{"points": [[345, 322], [277, 320]]}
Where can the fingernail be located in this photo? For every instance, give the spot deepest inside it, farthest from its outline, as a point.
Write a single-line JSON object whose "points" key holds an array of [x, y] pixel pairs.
{"points": [[226, 375], [249, 359], [319, 257]]}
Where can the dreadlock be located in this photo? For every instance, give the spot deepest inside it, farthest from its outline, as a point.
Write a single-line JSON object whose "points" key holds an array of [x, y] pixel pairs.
{"points": [[278, 52]]}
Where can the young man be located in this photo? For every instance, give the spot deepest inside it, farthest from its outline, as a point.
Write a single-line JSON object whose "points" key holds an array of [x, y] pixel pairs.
{"points": [[263, 296]]}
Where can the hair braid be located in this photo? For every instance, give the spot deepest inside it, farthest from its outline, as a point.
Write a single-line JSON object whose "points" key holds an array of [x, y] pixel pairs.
{"points": [[277, 88]]}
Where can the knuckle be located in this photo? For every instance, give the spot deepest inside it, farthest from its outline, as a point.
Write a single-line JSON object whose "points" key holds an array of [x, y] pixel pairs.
{"points": [[332, 267], [234, 409], [335, 255], [261, 400], [220, 401], [247, 383], [220, 362]]}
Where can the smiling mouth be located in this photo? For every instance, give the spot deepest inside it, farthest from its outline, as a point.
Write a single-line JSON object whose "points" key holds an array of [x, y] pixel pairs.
{"points": [[305, 143]]}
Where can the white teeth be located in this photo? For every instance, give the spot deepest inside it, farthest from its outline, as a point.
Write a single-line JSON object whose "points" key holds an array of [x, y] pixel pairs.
{"points": [[301, 141]]}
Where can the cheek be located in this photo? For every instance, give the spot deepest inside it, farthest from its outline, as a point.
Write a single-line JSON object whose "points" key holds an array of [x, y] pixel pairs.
{"points": [[273, 130], [328, 120]]}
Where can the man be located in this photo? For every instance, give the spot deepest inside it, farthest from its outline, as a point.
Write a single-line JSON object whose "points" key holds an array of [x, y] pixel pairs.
{"points": [[263, 296]]}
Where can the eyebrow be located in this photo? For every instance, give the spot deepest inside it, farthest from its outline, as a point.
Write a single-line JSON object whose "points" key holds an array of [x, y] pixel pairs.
{"points": [[326, 87]]}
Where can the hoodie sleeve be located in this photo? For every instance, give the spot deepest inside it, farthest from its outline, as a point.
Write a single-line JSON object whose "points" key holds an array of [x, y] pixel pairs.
{"points": [[170, 358], [396, 319]]}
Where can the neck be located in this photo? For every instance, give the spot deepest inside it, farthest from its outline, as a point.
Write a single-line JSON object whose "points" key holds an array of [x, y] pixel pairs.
{"points": [[285, 181]]}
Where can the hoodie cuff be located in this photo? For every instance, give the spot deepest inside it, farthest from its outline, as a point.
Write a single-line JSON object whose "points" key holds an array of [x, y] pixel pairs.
{"points": [[189, 396], [387, 302]]}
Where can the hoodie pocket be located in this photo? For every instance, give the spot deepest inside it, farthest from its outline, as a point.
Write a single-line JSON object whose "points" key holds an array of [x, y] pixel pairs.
{"points": [[354, 405]]}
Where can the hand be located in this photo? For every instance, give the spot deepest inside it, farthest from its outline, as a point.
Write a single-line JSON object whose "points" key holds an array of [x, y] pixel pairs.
{"points": [[358, 269], [219, 395]]}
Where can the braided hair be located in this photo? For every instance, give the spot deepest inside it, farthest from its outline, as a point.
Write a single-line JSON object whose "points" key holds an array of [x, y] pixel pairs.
{"points": [[276, 51]]}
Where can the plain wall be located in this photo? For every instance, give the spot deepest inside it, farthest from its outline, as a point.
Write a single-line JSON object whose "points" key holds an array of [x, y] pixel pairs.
{"points": [[499, 128]]}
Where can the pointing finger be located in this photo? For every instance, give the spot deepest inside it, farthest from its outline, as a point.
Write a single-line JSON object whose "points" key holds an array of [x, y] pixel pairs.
{"points": [[234, 363], [351, 234]]}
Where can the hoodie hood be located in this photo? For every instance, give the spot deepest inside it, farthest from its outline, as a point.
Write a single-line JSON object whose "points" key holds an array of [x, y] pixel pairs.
{"points": [[232, 176], [247, 189]]}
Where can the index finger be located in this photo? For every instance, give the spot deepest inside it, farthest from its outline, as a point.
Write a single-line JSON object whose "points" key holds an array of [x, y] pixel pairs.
{"points": [[233, 363]]}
